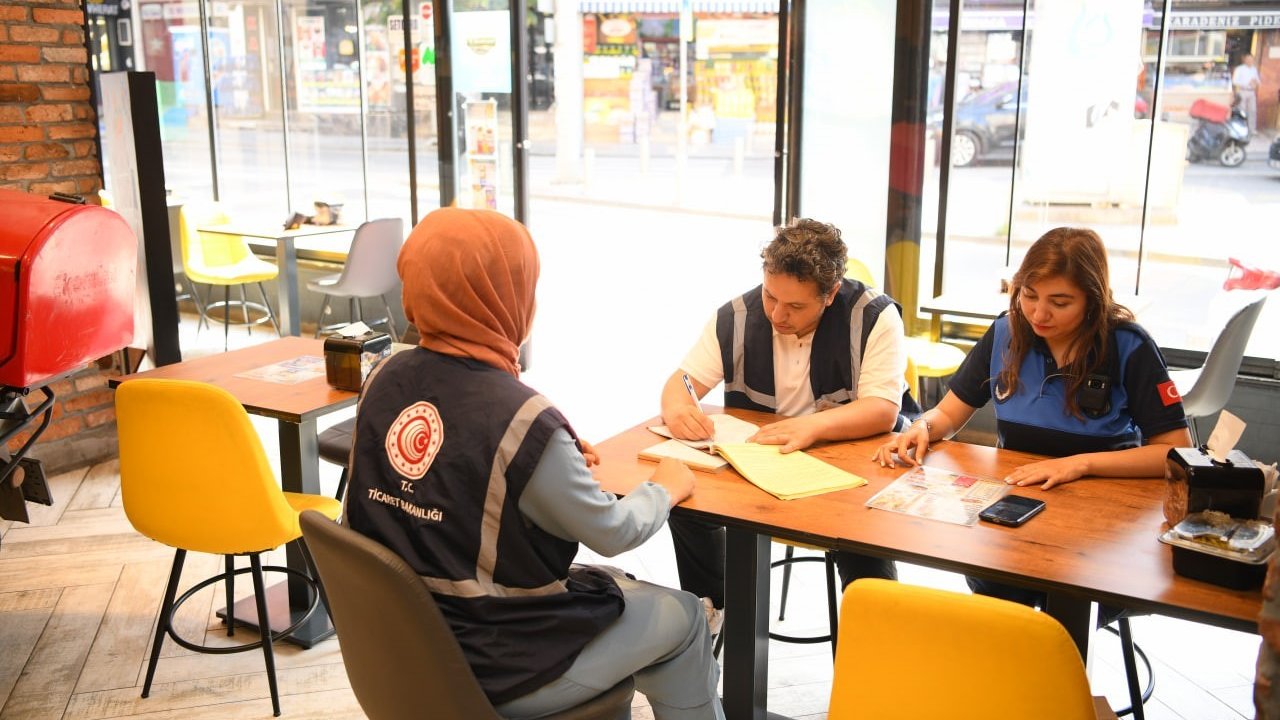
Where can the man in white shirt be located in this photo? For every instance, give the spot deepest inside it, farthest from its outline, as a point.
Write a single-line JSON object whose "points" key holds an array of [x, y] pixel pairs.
{"points": [[1245, 81], [809, 344]]}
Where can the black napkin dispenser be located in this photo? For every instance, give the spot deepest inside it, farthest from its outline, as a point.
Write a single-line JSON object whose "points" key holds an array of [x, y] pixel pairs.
{"points": [[1197, 482], [348, 360]]}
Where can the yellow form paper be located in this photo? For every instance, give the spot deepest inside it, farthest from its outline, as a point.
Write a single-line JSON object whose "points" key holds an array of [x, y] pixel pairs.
{"points": [[786, 477]]}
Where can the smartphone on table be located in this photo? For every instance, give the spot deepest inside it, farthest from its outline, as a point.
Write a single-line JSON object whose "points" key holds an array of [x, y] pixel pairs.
{"points": [[1012, 510]]}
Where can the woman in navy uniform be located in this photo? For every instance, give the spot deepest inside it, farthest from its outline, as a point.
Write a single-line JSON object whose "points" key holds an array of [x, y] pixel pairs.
{"points": [[481, 485], [1072, 375]]}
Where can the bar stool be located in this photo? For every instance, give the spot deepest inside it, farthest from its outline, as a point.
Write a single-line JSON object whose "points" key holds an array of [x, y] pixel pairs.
{"points": [[194, 476], [833, 601], [226, 260]]}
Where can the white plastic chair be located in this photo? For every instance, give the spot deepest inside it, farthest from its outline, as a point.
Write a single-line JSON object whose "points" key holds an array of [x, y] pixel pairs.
{"points": [[370, 271], [1206, 390]]}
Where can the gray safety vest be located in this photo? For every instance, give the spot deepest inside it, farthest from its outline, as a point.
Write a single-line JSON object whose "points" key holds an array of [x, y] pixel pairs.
{"points": [[835, 361], [444, 447]]}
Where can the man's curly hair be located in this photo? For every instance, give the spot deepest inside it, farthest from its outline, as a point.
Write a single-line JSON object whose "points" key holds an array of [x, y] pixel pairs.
{"points": [[808, 250]]}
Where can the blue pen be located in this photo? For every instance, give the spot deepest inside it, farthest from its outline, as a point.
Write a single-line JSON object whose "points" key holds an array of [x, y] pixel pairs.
{"points": [[689, 386]]}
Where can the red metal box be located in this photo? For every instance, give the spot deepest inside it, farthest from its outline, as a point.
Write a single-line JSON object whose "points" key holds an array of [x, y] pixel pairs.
{"points": [[67, 279], [1211, 111]]}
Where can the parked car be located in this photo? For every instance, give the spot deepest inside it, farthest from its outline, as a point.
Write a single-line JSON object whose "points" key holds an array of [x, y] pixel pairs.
{"points": [[986, 123]]}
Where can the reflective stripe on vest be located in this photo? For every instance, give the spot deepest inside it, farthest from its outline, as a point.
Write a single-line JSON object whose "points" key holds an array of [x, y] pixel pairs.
{"points": [[739, 383], [494, 500], [841, 396]]}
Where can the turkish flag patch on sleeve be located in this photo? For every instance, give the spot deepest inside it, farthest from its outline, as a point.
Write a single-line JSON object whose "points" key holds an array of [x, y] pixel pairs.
{"points": [[1168, 393]]}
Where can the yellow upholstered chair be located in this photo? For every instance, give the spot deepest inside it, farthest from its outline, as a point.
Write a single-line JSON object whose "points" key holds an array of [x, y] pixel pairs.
{"points": [[225, 260], [930, 359], [193, 476], [914, 652]]}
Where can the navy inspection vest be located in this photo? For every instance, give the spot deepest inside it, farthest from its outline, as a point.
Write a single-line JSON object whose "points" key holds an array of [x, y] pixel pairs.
{"points": [[835, 359], [444, 448]]}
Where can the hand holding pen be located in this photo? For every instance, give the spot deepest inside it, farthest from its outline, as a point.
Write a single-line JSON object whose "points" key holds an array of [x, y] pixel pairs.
{"points": [[686, 420]]}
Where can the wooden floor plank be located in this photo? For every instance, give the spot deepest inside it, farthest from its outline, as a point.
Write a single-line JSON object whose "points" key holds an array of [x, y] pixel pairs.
{"points": [[28, 600], [331, 705], [95, 567], [193, 666], [50, 675], [124, 540], [76, 523], [231, 696], [19, 632], [98, 488], [122, 644]]}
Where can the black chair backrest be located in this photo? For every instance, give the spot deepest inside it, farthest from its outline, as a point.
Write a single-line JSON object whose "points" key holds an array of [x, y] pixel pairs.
{"points": [[400, 654]]}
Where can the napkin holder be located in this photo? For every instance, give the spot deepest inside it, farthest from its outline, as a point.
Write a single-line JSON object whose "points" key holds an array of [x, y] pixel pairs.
{"points": [[1197, 482], [348, 360]]}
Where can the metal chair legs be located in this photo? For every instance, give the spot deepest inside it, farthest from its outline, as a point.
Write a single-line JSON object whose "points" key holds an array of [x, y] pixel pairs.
{"points": [[342, 484], [172, 601], [245, 305], [162, 624], [833, 611], [355, 311]]}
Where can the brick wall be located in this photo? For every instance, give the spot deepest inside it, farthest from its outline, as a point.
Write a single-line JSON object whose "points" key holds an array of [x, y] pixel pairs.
{"points": [[47, 144]]}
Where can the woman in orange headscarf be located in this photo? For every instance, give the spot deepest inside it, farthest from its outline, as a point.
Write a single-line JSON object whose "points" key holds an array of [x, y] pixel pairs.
{"points": [[483, 488]]}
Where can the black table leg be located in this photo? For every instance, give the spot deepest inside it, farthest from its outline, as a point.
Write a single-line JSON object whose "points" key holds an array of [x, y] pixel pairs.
{"points": [[1077, 615], [746, 625]]}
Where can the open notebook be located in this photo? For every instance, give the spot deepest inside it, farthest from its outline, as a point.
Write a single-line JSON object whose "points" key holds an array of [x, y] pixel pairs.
{"points": [[786, 476], [729, 429], [698, 454], [789, 476]]}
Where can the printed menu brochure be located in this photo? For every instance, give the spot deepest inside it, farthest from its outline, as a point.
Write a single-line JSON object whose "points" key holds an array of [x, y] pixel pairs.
{"points": [[938, 494]]}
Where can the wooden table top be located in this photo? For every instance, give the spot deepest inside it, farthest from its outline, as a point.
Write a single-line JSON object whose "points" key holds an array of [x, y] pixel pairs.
{"points": [[273, 233], [1096, 538], [291, 403]]}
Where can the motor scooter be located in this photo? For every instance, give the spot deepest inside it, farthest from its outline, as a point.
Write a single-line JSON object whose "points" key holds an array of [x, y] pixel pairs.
{"points": [[1220, 132]]}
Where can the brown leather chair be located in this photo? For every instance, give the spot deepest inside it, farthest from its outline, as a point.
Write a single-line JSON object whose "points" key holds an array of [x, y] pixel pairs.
{"points": [[400, 654]]}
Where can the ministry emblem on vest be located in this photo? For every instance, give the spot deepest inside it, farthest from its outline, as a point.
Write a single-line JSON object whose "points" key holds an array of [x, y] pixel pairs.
{"points": [[414, 439]]}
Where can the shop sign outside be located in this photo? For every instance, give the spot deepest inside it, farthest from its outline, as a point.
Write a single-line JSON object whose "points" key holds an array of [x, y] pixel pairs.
{"points": [[755, 36], [1225, 21]]}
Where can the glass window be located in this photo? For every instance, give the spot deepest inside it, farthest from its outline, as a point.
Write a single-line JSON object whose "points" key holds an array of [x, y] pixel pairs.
{"points": [[844, 160], [170, 47], [249, 98], [1097, 136], [323, 78]]}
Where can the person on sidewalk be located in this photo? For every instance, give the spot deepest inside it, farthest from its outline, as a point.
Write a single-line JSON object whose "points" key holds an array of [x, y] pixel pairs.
{"points": [[808, 343], [481, 485], [1245, 81]]}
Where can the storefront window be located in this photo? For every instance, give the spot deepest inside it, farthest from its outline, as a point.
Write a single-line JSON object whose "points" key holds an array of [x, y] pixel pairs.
{"points": [[323, 79], [484, 151], [1102, 139], [987, 107], [844, 162], [170, 47]]}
